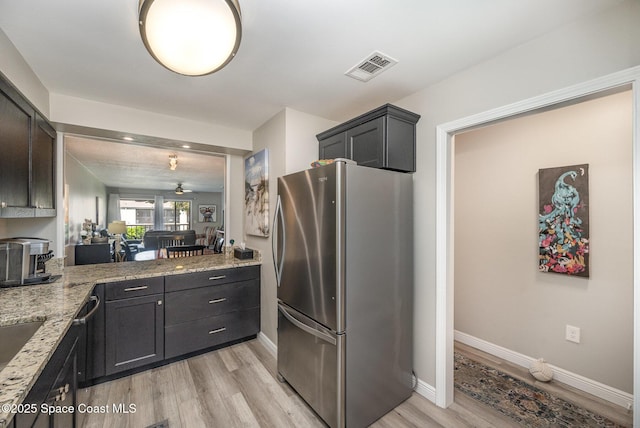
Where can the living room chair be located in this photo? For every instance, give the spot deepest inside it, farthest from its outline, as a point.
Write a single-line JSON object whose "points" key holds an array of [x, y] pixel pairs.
{"points": [[185, 251]]}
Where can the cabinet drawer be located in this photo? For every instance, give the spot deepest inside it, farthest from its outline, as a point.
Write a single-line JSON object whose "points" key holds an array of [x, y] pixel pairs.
{"points": [[133, 288], [203, 333], [210, 277], [214, 300]]}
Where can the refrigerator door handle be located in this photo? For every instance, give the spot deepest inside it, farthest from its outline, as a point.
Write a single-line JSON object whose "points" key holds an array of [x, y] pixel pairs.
{"points": [[317, 333], [274, 237]]}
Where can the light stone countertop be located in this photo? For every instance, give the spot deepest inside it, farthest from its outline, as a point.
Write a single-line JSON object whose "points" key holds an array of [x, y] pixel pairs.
{"points": [[58, 303]]}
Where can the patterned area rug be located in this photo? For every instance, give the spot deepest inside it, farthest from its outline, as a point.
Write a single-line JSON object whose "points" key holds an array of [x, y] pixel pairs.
{"points": [[524, 403]]}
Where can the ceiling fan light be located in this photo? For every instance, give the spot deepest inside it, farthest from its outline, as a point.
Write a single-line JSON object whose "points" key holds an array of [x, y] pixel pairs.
{"points": [[179, 190], [191, 37]]}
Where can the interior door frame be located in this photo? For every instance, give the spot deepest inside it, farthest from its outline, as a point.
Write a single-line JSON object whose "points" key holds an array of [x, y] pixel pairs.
{"points": [[445, 215]]}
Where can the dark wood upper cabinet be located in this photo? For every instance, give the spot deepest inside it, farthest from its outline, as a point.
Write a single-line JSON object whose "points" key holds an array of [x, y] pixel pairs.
{"points": [[27, 164], [43, 167], [382, 138], [15, 133]]}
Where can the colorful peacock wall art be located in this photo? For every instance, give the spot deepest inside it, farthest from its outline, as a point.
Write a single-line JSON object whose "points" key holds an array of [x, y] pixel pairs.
{"points": [[563, 220]]}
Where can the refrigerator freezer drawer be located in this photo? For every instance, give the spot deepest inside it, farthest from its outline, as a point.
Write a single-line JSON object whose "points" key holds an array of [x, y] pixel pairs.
{"points": [[310, 360]]}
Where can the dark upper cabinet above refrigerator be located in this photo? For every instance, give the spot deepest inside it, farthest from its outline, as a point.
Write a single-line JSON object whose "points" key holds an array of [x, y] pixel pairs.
{"points": [[27, 166], [382, 138]]}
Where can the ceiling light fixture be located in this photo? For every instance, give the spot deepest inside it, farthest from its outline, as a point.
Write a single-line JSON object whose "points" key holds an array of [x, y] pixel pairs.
{"points": [[191, 37], [173, 162], [179, 190]]}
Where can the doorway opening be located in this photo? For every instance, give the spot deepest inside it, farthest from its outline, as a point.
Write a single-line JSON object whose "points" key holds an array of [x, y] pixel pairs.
{"points": [[445, 209]]}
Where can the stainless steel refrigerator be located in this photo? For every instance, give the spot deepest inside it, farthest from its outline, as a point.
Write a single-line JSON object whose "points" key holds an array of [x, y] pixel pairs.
{"points": [[343, 254]]}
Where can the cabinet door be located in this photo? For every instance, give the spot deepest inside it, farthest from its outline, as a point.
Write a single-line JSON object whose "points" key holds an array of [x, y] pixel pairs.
{"points": [[134, 332], [367, 143], [334, 147], [43, 170], [15, 131]]}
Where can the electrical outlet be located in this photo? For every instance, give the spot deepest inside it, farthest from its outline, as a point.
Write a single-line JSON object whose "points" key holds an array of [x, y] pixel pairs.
{"points": [[572, 334]]}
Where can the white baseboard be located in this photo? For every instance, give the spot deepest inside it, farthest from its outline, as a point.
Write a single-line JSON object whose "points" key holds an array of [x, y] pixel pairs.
{"points": [[268, 344], [426, 390], [422, 388], [577, 381]]}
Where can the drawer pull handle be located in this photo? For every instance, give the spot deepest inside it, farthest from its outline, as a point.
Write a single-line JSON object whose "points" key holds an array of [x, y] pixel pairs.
{"points": [[142, 287], [217, 300], [213, 278], [218, 330]]}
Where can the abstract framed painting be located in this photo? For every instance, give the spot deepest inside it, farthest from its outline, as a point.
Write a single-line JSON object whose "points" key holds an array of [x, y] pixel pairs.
{"points": [[256, 193], [563, 220]]}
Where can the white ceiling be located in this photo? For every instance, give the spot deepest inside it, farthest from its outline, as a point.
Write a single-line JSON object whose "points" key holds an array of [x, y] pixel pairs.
{"points": [[293, 53], [131, 166]]}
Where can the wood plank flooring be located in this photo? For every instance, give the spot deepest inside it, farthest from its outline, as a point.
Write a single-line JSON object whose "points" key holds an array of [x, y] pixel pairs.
{"points": [[237, 387]]}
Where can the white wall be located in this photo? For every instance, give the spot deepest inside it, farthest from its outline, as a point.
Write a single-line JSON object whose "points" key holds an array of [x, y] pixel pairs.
{"points": [[271, 136], [500, 297], [83, 187], [234, 198], [301, 142], [92, 114], [290, 137], [589, 48], [16, 69]]}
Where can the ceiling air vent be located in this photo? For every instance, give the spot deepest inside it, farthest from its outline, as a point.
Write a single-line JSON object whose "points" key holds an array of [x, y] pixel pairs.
{"points": [[371, 66]]}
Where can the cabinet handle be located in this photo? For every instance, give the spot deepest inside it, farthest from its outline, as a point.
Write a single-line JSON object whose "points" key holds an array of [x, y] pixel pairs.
{"points": [[142, 287], [218, 330], [217, 300], [213, 278], [83, 320]]}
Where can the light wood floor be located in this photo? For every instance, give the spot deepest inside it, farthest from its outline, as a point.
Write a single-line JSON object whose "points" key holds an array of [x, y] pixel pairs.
{"points": [[237, 387]]}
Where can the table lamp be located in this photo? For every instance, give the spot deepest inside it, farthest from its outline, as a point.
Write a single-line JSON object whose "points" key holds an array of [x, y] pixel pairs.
{"points": [[117, 228]]}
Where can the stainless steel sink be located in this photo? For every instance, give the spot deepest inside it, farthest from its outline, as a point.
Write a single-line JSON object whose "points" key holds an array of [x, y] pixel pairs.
{"points": [[13, 337]]}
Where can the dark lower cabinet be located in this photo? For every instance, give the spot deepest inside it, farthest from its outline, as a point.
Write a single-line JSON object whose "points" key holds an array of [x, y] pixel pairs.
{"points": [[52, 399], [134, 332], [91, 339], [151, 320], [209, 310], [207, 332]]}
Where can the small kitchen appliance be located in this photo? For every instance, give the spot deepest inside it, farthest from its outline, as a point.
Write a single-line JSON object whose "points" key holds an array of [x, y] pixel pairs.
{"points": [[22, 261]]}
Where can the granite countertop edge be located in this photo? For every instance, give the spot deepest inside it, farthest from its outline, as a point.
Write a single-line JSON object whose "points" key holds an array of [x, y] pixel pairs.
{"points": [[58, 303]]}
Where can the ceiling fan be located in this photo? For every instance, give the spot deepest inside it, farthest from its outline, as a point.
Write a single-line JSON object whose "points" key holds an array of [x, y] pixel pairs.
{"points": [[180, 190]]}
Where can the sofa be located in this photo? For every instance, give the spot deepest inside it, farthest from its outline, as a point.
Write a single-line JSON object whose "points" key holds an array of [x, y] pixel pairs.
{"points": [[208, 237]]}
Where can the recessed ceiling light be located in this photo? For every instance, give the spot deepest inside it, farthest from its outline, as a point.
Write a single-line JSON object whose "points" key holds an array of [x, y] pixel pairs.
{"points": [[186, 146], [127, 138]]}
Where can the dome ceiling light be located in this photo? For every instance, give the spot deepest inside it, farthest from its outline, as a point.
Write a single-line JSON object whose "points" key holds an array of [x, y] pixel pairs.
{"points": [[191, 37]]}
